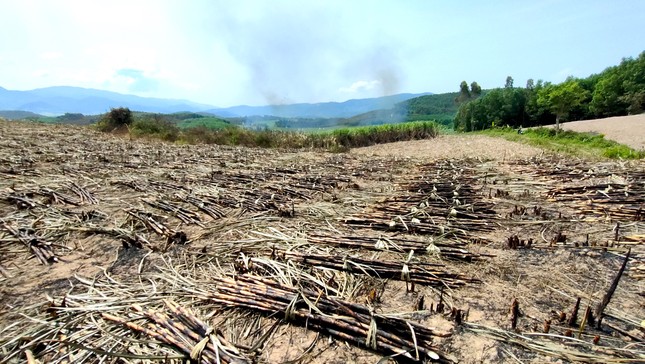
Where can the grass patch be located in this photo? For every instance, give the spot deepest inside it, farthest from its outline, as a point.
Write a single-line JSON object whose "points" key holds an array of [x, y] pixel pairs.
{"points": [[234, 135], [337, 140], [569, 142], [378, 134], [155, 128], [207, 122]]}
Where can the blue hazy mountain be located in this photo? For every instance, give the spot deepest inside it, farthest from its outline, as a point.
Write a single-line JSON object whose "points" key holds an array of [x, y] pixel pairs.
{"points": [[58, 100], [317, 110], [65, 99]]}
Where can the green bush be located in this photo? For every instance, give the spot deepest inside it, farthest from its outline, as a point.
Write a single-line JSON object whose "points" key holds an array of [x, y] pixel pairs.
{"points": [[117, 118], [155, 126], [199, 135], [623, 152]]}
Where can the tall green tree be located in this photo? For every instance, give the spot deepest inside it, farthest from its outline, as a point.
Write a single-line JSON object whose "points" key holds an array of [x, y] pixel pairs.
{"points": [[561, 99], [537, 114], [606, 95], [620, 90], [498, 107], [509, 82], [475, 90], [634, 84], [463, 119], [464, 93]]}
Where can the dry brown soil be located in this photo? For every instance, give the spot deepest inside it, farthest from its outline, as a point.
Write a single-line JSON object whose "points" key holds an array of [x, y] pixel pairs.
{"points": [[94, 203], [629, 130], [453, 146]]}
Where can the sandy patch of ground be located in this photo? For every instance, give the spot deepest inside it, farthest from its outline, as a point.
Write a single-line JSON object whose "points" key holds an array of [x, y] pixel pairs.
{"points": [[453, 146], [629, 130]]}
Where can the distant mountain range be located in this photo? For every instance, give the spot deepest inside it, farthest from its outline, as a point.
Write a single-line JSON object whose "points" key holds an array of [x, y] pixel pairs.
{"points": [[64, 99], [58, 100], [318, 110]]}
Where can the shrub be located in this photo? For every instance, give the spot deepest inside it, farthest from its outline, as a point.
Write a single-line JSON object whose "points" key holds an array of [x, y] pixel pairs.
{"points": [[199, 135], [155, 126], [117, 118], [623, 152]]}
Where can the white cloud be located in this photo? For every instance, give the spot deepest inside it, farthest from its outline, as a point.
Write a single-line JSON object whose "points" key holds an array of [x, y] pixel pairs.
{"points": [[360, 86]]}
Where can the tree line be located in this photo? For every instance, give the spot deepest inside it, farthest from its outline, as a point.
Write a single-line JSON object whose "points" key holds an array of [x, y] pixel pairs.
{"points": [[618, 90]]}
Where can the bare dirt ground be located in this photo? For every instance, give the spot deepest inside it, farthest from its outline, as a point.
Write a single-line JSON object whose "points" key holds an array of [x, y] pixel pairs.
{"points": [[453, 146], [118, 250], [628, 130]]}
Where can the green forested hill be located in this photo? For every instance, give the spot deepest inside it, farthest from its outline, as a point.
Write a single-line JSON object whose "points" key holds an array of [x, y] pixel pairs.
{"points": [[439, 107]]}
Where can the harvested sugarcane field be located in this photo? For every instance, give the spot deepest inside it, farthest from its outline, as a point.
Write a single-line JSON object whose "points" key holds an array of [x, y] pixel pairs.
{"points": [[455, 249]]}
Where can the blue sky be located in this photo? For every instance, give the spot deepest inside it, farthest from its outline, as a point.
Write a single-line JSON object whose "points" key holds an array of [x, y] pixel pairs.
{"points": [[234, 52]]}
